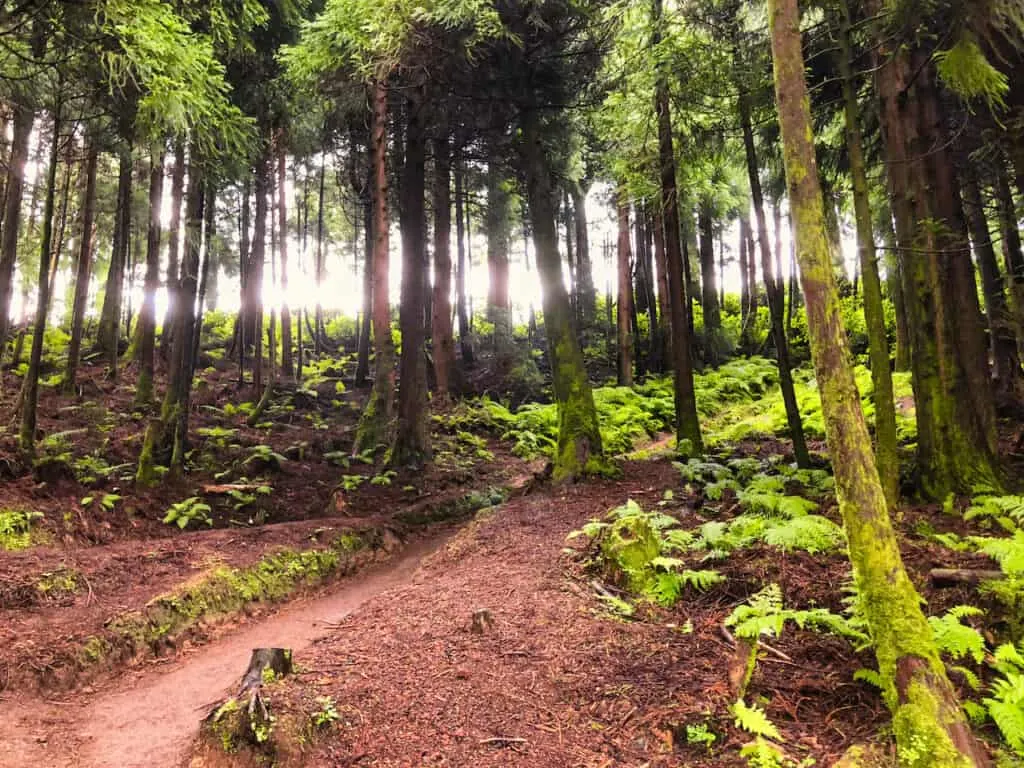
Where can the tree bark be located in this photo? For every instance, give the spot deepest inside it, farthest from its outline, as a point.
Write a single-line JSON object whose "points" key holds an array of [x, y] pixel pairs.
{"points": [[776, 300], [411, 444], [375, 424], [1009, 228], [665, 353], [147, 314], [688, 435], [625, 298], [27, 433], [746, 313], [109, 331], [579, 450], [14, 189], [441, 322], [584, 267], [929, 725], [257, 258], [886, 455], [287, 360], [499, 304], [366, 204], [173, 276], [83, 270], [955, 442], [713, 342], [465, 342], [1002, 340]]}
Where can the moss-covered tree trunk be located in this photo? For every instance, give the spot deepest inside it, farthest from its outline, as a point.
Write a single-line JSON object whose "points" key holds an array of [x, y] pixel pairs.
{"points": [[145, 343], [776, 298], [579, 449], [625, 288], [713, 342], [688, 435], [83, 268], [375, 423], [108, 334], [411, 444], [950, 376], [445, 372], [366, 206], [930, 727], [27, 434], [461, 311], [874, 312]]}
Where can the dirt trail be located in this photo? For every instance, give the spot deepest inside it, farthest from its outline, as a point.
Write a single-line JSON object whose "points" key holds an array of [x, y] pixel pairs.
{"points": [[148, 719]]}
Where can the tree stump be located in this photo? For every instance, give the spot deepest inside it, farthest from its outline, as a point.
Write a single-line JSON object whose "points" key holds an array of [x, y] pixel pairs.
{"points": [[245, 717]]}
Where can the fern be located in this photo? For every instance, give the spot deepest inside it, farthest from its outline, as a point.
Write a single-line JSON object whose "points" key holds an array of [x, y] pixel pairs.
{"points": [[1009, 553], [1006, 511], [955, 639], [812, 533], [753, 720]]}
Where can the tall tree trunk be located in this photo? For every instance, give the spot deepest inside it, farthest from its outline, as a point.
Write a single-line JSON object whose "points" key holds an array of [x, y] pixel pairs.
{"points": [[647, 290], [929, 725], [245, 273], [210, 266], [886, 455], [172, 277], [776, 300], [83, 269], [579, 449], [688, 436], [443, 343], [954, 446], [1009, 228], [625, 299], [1003, 341], [258, 256], [109, 331], [27, 433], [894, 280], [465, 342], [664, 298], [147, 314], [375, 424], [14, 189], [585, 269], [411, 445], [57, 246], [287, 360], [363, 364], [366, 200], [499, 304], [749, 307], [713, 342]]}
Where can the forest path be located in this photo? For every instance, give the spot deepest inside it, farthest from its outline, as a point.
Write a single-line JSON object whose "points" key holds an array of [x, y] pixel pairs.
{"points": [[148, 718]]}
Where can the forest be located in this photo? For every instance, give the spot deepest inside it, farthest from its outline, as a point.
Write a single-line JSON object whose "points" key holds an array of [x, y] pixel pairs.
{"points": [[511, 383]]}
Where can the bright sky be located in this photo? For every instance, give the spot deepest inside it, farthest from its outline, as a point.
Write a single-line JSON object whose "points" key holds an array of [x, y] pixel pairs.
{"points": [[342, 288]]}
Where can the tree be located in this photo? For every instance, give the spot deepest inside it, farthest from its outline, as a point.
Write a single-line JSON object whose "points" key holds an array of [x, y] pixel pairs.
{"points": [[625, 286], [146, 340], [930, 727]]}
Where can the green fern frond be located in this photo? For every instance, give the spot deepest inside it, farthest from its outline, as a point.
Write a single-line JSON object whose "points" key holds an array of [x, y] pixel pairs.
{"points": [[813, 534], [754, 720]]}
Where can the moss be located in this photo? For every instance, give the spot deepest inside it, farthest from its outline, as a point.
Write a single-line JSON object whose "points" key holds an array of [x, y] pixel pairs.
{"points": [[224, 591], [920, 727], [63, 581]]}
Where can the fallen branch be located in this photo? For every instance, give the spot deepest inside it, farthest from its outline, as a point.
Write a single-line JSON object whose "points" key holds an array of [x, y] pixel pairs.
{"points": [[954, 577], [505, 740]]}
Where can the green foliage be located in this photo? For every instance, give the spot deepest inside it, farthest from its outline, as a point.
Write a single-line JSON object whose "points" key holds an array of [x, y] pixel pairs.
{"points": [[16, 528], [1005, 703], [765, 615], [107, 501], [384, 478], [265, 456], [327, 714], [753, 720], [635, 549], [700, 733], [221, 437], [352, 482], [1006, 511], [188, 511], [956, 639]]}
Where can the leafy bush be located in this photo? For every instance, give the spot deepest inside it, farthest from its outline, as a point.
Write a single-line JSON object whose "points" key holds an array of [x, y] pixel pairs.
{"points": [[16, 528]]}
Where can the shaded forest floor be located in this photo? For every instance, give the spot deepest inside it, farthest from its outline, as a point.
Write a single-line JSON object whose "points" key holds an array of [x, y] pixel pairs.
{"points": [[571, 665]]}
